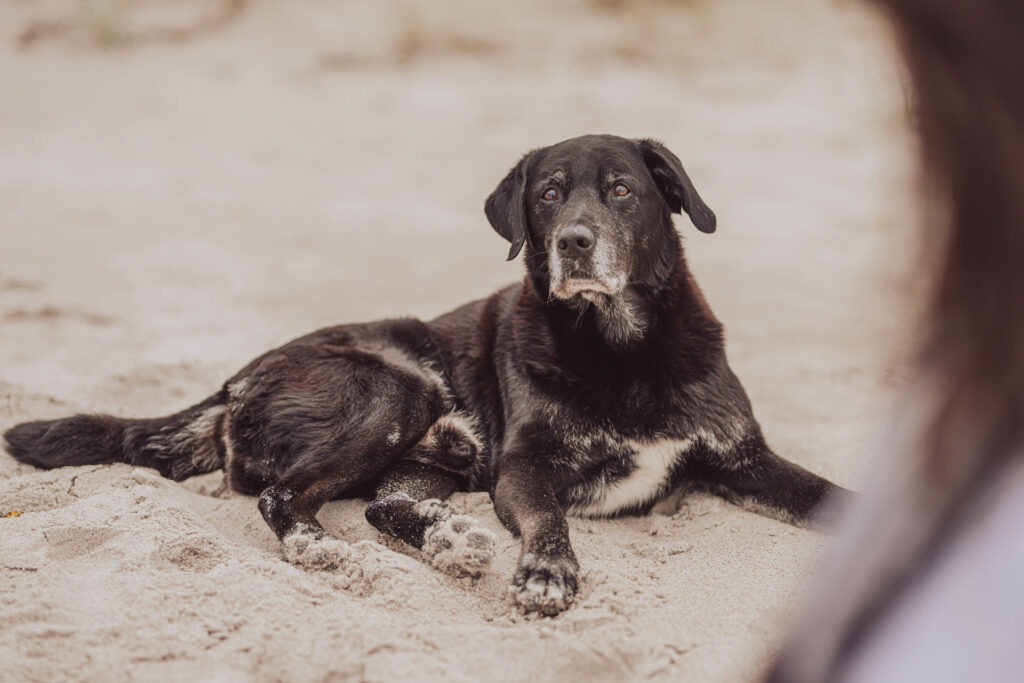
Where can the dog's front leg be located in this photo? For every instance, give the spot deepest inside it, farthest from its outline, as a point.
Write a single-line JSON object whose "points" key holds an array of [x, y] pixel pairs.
{"points": [[524, 499], [754, 477]]}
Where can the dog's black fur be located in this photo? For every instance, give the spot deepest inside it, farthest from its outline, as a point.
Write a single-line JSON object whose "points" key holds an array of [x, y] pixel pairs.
{"points": [[314, 420], [600, 384]]}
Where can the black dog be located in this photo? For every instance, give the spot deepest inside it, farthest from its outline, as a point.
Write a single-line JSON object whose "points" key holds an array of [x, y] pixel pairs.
{"points": [[600, 383]]}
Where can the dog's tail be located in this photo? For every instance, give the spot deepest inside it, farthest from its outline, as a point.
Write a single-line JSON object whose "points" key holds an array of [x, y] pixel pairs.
{"points": [[179, 446]]}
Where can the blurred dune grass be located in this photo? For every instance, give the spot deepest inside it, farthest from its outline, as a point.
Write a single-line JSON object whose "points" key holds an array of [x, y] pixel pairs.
{"points": [[683, 34]]}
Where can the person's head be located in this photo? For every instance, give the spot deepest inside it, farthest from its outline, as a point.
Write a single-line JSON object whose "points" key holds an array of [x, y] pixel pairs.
{"points": [[966, 61], [963, 422]]}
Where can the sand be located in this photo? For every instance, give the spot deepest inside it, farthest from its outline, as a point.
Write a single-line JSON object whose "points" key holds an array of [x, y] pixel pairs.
{"points": [[173, 204]]}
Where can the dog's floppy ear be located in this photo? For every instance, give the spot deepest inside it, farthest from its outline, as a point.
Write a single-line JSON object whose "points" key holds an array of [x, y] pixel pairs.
{"points": [[506, 208], [675, 186]]}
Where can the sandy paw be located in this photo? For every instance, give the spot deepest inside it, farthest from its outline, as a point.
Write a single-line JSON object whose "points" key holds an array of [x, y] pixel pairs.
{"points": [[316, 550], [458, 544], [544, 584], [433, 510]]}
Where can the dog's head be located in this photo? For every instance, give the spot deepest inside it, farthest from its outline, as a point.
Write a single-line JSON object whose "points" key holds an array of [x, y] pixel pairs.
{"points": [[594, 215]]}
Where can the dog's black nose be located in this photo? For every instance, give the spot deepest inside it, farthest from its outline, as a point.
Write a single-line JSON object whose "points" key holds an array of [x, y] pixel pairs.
{"points": [[575, 240]]}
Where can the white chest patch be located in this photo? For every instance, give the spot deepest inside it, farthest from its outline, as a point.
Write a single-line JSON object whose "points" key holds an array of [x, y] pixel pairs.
{"points": [[654, 461]]}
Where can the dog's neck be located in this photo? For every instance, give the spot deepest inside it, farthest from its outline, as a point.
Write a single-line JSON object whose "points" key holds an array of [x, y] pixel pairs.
{"points": [[680, 337], [622, 322]]}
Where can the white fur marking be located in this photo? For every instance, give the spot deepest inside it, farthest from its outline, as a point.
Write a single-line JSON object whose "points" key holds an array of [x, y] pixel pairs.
{"points": [[654, 461], [204, 455], [716, 444], [203, 425], [236, 388], [229, 448]]}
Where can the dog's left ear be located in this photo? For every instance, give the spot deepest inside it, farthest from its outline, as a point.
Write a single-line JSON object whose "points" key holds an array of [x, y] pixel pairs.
{"points": [[675, 186], [506, 207]]}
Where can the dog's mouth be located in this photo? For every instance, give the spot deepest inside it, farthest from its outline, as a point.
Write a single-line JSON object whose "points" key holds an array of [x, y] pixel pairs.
{"points": [[596, 277], [587, 288]]}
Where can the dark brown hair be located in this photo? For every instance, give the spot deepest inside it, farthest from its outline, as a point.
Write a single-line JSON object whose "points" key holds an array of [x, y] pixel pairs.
{"points": [[966, 59], [967, 62]]}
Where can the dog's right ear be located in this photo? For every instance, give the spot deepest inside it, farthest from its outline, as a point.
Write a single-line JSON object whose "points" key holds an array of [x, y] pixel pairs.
{"points": [[675, 186], [506, 208]]}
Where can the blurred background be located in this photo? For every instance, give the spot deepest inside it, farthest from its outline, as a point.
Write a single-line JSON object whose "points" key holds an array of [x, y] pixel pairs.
{"points": [[184, 184], [192, 181]]}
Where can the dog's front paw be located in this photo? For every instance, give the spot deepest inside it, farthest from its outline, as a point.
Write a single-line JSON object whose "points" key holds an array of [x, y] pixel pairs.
{"points": [[459, 545], [544, 584]]}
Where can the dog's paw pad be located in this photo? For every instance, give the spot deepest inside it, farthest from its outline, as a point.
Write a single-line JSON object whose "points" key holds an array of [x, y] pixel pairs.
{"points": [[481, 539], [459, 545], [316, 551], [545, 585], [433, 510]]}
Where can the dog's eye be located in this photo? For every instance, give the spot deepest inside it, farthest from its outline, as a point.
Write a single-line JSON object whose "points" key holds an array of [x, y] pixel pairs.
{"points": [[550, 194], [620, 190]]}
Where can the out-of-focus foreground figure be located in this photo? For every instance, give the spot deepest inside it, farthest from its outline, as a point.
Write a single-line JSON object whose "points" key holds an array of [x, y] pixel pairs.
{"points": [[927, 583]]}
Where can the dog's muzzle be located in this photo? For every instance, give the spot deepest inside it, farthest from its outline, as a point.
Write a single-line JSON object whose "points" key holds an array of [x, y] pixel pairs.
{"points": [[577, 266]]}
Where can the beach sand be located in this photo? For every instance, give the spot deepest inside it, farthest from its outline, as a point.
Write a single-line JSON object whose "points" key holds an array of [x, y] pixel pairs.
{"points": [[173, 205]]}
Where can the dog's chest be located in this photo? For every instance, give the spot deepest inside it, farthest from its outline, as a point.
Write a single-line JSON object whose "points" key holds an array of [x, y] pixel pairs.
{"points": [[623, 474]]}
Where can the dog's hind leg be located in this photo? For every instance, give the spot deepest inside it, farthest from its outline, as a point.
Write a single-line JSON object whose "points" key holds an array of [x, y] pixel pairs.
{"points": [[288, 512], [290, 505], [396, 494], [292, 516], [409, 506]]}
